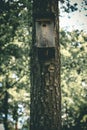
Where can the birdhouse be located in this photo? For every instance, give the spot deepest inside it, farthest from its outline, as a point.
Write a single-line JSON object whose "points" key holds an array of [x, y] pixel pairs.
{"points": [[45, 33]]}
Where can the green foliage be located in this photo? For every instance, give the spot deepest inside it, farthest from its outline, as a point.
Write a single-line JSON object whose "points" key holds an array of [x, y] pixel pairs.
{"points": [[73, 74], [15, 40]]}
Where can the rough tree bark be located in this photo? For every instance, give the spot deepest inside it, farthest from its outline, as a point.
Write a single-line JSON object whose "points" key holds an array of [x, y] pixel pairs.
{"points": [[45, 108]]}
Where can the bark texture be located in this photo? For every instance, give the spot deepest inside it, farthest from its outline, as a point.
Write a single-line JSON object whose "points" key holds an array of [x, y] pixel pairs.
{"points": [[45, 108]]}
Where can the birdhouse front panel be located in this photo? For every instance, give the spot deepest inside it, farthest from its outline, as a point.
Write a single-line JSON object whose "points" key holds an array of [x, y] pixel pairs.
{"points": [[45, 33]]}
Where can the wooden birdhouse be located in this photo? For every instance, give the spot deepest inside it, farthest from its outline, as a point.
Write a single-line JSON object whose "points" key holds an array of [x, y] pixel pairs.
{"points": [[45, 33]]}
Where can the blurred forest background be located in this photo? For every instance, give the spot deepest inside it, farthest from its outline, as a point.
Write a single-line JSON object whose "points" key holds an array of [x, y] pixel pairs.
{"points": [[15, 43]]}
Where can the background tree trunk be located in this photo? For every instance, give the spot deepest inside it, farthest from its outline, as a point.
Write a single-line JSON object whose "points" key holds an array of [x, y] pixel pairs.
{"points": [[5, 121], [45, 109], [6, 105]]}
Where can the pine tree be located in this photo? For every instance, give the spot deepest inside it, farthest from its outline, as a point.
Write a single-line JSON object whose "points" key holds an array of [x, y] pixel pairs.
{"points": [[45, 109]]}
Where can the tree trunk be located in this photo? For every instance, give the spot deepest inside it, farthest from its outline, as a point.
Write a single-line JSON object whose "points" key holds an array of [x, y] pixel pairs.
{"points": [[16, 125], [45, 109], [5, 107]]}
